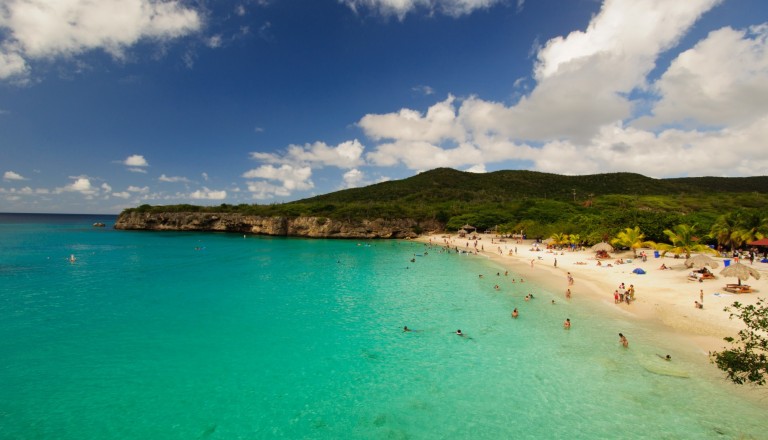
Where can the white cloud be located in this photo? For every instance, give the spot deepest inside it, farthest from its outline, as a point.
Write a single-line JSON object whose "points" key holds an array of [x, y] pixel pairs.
{"points": [[136, 189], [292, 178], [722, 80], [105, 186], [214, 41], [207, 194], [11, 175], [438, 124], [38, 29], [173, 179], [81, 185], [400, 8], [424, 90], [480, 168], [262, 190], [205, 176], [581, 115], [136, 160], [345, 155], [353, 178], [122, 195]]}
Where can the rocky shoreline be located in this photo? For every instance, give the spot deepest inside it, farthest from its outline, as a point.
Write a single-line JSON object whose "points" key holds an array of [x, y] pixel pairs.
{"points": [[311, 227]]}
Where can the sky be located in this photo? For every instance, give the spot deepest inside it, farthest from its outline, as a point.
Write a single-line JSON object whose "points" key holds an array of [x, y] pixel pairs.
{"points": [[111, 104]]}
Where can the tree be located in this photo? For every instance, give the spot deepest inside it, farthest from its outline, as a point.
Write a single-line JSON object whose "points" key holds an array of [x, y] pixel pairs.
{"points": [[574, 239], [559, 238], [724, 229], [746, 361], [684, 241], [631, 238]]}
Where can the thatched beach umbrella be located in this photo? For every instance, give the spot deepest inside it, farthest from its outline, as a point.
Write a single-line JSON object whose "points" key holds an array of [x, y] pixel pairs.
{"points": [[741, 271], [602, 247], [701, 260], [468, 228]]}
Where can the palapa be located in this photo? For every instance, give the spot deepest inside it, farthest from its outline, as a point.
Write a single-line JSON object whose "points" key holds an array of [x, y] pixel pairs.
{"points": [[740, 271], [605, 247], [701, 260]]}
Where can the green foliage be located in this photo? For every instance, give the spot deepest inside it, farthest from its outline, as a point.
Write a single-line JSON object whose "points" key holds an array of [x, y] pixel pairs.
{"points": [[683, 240], [746, 361], [631, 238]]}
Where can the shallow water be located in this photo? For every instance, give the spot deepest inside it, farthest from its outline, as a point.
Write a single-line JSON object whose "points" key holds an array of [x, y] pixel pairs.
{"points": [[187, 335]]}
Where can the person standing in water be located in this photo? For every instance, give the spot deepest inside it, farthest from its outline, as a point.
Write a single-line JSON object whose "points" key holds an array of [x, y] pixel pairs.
{"points": [[623, 340], [567, 324]]}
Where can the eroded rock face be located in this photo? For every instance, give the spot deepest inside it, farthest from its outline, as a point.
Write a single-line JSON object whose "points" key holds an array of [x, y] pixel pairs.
{"points": [[315, 227]]}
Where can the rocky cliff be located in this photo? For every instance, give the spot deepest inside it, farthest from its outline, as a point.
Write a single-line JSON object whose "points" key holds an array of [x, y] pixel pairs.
{"points": [[314, 227]]}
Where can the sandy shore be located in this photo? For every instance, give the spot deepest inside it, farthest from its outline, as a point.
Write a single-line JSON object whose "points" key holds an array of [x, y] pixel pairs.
{"points": [[664, 299]]}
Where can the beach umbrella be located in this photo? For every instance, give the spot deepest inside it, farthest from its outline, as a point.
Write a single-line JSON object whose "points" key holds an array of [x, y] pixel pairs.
{"points": [[701, 260], [468, 227], [741, 271], [602, 247]]}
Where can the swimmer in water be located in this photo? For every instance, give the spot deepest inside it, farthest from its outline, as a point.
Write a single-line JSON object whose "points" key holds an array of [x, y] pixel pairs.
{"points": [[458, 332], [623, 340], [666, 358], [567, 324], [515, 314], [406, 329]]}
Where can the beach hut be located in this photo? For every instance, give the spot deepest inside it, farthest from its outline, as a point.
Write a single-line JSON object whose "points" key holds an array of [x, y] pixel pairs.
{"points": [[761, 242], [469, 228], [462, 233], [701, 260]]}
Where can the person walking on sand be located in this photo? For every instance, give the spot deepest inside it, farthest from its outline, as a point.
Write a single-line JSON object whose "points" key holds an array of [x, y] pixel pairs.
{"points": [[623, 341], [701, 295]]}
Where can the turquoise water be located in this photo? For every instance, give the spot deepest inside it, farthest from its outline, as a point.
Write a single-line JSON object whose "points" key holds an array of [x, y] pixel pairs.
{"points": [[194, 336]]}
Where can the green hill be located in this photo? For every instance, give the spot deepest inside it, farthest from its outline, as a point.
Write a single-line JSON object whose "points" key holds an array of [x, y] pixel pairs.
{"points": [[595, 206]]}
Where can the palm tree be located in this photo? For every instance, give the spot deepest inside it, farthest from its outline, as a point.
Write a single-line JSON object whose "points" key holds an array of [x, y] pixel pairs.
{"points": [[684, 241], [749, 228], [559, 238], [574, 239], [631, 238], [724, 230]]}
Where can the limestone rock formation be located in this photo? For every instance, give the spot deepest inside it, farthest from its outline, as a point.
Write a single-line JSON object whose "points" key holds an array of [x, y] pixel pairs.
{"points": [[314, 227]]}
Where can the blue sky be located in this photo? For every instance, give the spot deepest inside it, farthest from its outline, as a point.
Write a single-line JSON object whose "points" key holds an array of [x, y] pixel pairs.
{"points": [[112, 104]]}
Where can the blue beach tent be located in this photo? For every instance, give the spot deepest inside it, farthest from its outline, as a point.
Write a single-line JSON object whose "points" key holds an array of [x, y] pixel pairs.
{"points": [[639, 271]]}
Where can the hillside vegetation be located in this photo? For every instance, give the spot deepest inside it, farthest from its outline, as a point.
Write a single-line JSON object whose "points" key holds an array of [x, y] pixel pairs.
{"points": [[594, 206]]}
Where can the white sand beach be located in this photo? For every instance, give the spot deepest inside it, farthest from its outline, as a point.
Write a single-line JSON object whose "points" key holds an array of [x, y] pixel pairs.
{"points": [[664, 298]]}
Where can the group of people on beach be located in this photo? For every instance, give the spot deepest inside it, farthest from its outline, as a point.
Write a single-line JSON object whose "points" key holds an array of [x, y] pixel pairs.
{"points": [[623, 294]]}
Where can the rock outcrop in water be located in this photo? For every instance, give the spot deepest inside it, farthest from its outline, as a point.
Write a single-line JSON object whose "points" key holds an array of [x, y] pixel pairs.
{"points": [[314, 227]]}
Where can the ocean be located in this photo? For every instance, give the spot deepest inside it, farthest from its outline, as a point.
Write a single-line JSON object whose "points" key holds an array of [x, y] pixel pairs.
{"points": [[176, 335]]}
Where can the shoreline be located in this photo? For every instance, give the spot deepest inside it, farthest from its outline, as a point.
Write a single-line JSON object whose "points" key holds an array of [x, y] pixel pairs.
{"points": [[664, 300]]}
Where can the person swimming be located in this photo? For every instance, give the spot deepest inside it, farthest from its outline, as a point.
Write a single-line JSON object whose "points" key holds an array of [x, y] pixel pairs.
{"points": [[567, 324], [515, 314], [458, 332], [623, 340], [406, 329], [666, 358]]}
